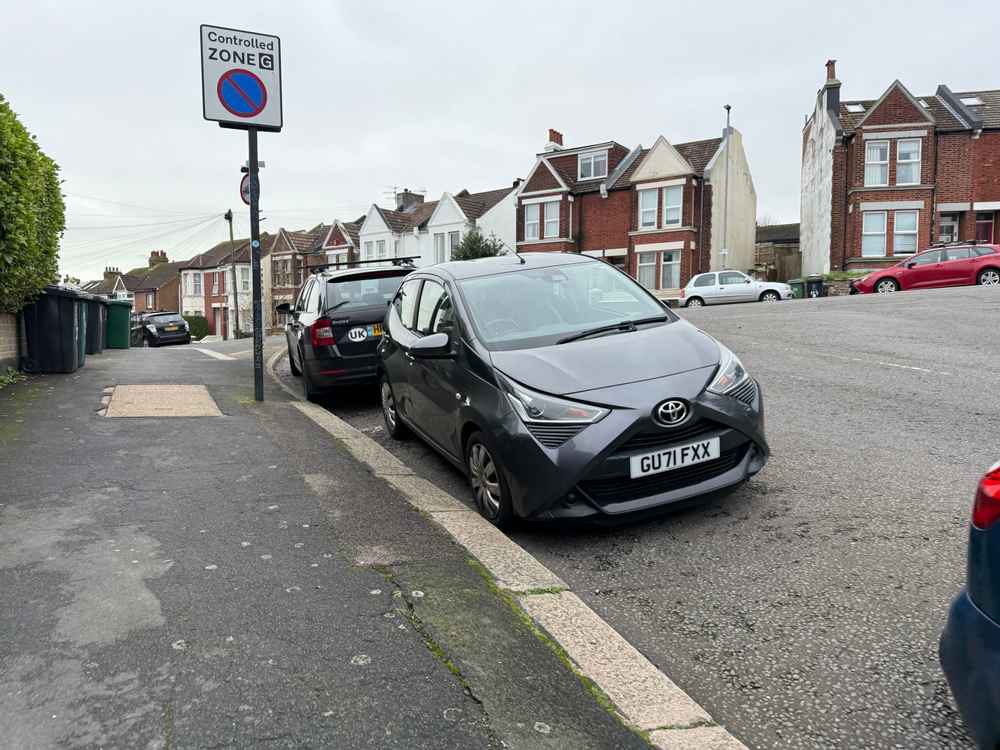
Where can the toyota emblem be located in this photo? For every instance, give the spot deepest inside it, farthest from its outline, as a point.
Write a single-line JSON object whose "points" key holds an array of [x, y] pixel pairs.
{"points": [[670, 413]]}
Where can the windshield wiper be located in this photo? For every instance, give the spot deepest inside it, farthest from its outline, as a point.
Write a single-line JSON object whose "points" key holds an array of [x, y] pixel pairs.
{"points": [[625, 326], [334, 307]]}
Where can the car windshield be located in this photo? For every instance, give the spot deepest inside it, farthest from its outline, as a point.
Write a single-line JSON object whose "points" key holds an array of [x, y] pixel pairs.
{"points": [[364, 291], [165, 320], [541, 306]]}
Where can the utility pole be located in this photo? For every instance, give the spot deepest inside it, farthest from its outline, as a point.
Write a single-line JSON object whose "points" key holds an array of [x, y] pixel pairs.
{"points": [[725, 198], [232, 252]]}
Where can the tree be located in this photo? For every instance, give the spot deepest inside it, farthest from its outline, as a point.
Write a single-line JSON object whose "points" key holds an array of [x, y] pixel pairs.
{"points": [[32, 214], [474, 245]]}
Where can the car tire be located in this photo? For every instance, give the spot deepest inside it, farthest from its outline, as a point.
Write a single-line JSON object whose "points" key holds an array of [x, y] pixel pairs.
{"points": [[489, 487], [291, 364], [695, 302], [770, 296], [886, 286], [988, 277], [308, 390], [390, 415]]}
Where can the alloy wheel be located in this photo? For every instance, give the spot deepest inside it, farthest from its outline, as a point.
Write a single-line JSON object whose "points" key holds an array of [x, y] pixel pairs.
{"points": [[694, 302], [485, 479], [989, 277], [886, 286], [769, 297], [388, 406]]}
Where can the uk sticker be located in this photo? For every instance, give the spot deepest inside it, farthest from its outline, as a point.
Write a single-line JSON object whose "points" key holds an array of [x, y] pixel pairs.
{"points": [[357, 334]]}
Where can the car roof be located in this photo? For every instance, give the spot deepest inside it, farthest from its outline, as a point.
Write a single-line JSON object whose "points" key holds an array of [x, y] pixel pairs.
{"points": [[342, 274], [467, 269]]}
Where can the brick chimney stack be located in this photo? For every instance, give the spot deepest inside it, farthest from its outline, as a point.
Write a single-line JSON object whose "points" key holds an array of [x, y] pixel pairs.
{"points": [[110, 273], [156, 257], [407, 201], [831, 70], [555, 142], [832, 86]]}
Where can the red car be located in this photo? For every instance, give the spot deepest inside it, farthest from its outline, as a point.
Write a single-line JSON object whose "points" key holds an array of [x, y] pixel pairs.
{"points": [[955, 265]]}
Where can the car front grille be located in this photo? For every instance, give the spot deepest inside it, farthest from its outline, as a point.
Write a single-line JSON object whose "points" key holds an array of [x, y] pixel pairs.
{"points": [[745, 392], [656, 437], [622, 489], [554, 435]]}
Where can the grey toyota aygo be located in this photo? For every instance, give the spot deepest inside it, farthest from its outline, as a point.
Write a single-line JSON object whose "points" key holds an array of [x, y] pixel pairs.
{"points": [[564, 389]]}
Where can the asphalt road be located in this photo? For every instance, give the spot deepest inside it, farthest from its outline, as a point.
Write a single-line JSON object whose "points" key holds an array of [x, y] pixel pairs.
{"points": [[803, 610]]}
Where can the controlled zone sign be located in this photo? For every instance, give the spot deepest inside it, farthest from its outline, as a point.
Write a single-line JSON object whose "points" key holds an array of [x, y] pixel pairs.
{"points": [[241, 78]]}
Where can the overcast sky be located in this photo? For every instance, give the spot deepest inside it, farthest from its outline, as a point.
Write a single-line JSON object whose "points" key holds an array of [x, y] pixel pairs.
{"points": [[435, 96]]}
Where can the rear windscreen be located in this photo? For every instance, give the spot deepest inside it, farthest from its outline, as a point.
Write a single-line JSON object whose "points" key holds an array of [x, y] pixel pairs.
{"points": [[164, 320], [364, 292]]}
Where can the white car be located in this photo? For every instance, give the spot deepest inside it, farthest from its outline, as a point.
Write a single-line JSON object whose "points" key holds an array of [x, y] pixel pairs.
{"points": [[720, 287]]}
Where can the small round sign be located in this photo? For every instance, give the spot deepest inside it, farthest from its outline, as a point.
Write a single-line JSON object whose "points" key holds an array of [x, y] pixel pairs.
{"points": [[357, 334], [245, 189], [242, 93]]}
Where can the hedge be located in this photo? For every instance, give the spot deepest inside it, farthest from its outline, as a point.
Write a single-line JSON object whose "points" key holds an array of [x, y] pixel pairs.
{"points": [[197, 325]]}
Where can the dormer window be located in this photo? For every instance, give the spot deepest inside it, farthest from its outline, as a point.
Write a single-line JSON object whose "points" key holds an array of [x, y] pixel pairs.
{"points": [[855, 108], [593, 166], [971, 101]]}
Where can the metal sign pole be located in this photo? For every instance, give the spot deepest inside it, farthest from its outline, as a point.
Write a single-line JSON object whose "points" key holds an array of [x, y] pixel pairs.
{"points": [[258, 326]]}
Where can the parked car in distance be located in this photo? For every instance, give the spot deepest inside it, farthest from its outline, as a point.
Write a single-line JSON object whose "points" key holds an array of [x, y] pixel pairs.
{"points": [[721, 287], [970, 644], [564, 389], [164, 328], [335, 324], [955, 265]]}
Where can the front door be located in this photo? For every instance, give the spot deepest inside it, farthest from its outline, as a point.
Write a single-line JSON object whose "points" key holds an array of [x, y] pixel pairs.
{"points": [[734, 287], [927, 271], [959, 266]]}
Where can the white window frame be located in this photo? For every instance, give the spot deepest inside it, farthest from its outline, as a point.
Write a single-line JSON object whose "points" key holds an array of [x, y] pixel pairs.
{"points": [[675, 261], [920, 149], [454, 240], [679, 191], [532, 221], [896, 233], [244, 279], [215, 284], [882, 234], [589, 158], [948, 220], [197, 283], [395, 248], [547, 210], [150, 299], [643, 224], [439, 247], [640, 265], [379, 249], [884, 164], [369, 250]]}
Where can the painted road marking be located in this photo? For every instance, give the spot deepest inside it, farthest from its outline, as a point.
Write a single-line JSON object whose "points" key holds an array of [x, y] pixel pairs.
{"points": [[210, 353], [644, 696]]}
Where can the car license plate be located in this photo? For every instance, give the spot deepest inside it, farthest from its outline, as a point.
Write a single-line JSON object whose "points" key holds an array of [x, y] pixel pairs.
{"points": [[375, 330], [170, 328], [674, 457]]}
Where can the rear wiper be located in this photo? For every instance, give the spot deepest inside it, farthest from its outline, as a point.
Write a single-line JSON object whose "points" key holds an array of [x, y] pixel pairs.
{"points": [[625, 326], [334, 307]]}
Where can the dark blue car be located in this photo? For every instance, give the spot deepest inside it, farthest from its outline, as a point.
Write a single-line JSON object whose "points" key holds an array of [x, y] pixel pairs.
{"points": [[970, 644]]}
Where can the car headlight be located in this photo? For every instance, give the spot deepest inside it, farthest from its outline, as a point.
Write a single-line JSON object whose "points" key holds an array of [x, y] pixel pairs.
{"points": [[731, 373], [151, 328], [532, 406]]}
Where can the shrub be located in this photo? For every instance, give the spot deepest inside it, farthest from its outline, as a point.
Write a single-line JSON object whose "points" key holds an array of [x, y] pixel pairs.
{"points": [[32, 214], [474, 245], [198, 326]]}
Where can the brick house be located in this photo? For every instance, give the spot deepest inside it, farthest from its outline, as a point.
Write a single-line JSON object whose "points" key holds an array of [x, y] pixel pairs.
{"points": [[113, 285], [155, 289], [288, 259], [217, 285], [884, 178], [341, 242], [662, 214]]}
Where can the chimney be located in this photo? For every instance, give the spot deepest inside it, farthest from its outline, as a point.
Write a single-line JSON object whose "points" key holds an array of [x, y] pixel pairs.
{"points": [[555, 141], [832, 88], [109, 274], [407, 201], [156, 257]]}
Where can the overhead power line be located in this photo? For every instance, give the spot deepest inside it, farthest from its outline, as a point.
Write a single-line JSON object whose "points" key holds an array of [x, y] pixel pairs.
{"points": [[150, 224]]}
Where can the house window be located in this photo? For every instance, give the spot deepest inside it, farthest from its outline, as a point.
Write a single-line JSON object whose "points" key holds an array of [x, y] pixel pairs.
{"points": [[904, 232], [646, 274], [368, 251], [215, 283], [150, 300], [380, 249], [873, 234], [196, 278], [908, 162], [245, 279], [647, 208], [672, 199], [531, 221], [439, 247], [984, 227], [395, 248], [948, 228], [454, 238], [593, 166], [670, 270], [876, 163], [551, 219]]}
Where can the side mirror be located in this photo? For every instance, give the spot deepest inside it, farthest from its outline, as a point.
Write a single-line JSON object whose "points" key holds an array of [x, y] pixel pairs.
{"points": [[285, 308], [747, 281], [433, 346], [911, 265]]}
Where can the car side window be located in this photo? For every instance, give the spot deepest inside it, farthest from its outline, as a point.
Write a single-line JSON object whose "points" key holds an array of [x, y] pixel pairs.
{"points": [[430, 299], [957, 253], [707, 279], [300, 303], [731, 278], [444, 318], [983, 250], [406, 301], [932, 257]]}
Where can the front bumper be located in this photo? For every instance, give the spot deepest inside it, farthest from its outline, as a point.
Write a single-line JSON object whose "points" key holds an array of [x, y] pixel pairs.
{"points": [[970, 658], [588, 475]]}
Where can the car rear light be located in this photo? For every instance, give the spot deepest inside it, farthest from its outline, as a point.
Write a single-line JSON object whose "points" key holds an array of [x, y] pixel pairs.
{"points": [[986, 509], [322, 333]]}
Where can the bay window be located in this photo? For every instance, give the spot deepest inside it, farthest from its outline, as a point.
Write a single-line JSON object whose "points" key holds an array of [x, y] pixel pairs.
{"points": [[196, 283], [646, 271], [439, 247], [876, 163], [904, 232], [670, 270], [908, 162], [647, 208], [245, 279], [531, 221], [672, 198], [873, 233], [551, 219]]}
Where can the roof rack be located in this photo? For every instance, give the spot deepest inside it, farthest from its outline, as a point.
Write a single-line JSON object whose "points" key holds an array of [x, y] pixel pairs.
{"points": [[958, 243], [407, 261]]}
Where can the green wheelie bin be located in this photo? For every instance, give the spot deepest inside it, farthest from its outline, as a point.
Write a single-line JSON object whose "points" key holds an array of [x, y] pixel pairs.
{"points": [[119, 324], [798, 288]]}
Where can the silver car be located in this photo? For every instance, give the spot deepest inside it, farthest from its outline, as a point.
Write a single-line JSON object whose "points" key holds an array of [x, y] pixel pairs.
{"points": [[720, 287]]}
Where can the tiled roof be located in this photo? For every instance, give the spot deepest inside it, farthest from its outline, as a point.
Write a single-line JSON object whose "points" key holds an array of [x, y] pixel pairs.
{"points": [[778, 233], [622, 181], [404, 221], [301, 241], [699, 153], [101, 286], [944, 117], [475, 205], [352, 228], [155, 277], [989, 110], [215, 255]]}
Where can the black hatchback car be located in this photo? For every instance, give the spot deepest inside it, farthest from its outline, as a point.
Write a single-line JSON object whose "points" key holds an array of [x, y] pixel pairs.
{"points": [[335, 324], [164, 328], [564, 389]]}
